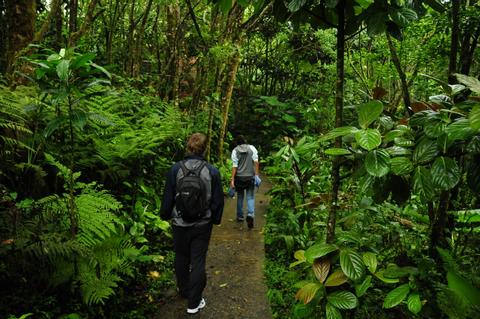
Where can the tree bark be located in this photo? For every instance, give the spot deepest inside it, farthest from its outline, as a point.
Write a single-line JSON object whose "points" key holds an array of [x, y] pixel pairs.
{"points": [[469, 44], [173, 64], [332, 214], [401, 74], [72, 19], [21, 16], [137, 51], [438, 224], [452, 66], [87, 21]]}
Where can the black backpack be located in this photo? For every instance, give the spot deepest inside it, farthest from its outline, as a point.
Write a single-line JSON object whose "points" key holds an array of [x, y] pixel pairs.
{"points": [[191, 198]]}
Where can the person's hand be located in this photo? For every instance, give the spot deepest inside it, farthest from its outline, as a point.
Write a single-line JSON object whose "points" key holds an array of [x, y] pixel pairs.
{"points": [[232, 183], [231, 192], [258, 181]]}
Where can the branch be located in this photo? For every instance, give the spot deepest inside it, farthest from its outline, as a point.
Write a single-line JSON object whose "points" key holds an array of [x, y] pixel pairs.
{"points": [[55, 6], [89, 18], [194, 19], [253, 20]]}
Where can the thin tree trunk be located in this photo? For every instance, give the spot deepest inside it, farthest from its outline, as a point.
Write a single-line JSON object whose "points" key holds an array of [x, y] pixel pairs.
{"points": [[54, 9], [137, 52], [72, 20], [452, 66], [173, 64], [468, 49], [332, 214], [226, 98], [87, 21], [401, 74], [438, 224]]}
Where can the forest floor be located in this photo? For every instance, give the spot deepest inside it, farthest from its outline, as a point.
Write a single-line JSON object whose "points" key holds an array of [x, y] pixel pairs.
{"points": [[236, 286]]}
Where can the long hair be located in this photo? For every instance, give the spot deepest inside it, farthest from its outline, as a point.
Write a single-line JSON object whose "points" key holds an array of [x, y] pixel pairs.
{"points": [[196, 144]]}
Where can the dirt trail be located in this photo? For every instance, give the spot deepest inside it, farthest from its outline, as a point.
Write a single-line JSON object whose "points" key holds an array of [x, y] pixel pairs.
{"points": [[235, 284]]}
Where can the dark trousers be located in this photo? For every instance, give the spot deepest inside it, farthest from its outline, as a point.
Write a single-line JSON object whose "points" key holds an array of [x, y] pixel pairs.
{"points": [[191, 245]]}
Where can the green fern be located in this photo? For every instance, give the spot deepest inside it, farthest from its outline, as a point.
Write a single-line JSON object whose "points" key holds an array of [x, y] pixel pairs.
{"points": [[100, 253]]}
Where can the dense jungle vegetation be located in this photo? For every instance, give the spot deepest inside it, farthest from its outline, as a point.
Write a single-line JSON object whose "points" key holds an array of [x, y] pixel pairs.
{"points": [[366, 114]]}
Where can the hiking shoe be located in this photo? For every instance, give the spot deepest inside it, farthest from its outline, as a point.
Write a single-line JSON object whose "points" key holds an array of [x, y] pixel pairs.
{"points": [[240, 220], [195, 310], [250, 221]]}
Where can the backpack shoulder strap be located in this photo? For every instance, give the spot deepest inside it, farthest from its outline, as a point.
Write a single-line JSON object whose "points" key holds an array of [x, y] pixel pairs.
{"points": [[184, 168], [198, 171]]}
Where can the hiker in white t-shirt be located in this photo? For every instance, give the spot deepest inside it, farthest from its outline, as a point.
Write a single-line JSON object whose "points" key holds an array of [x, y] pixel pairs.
{"points": [[245, 177]]}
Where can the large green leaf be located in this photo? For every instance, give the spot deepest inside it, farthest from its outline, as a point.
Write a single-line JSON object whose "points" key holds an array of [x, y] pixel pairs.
{"points": [[307, 292], [377, 163], [337, 278], [342, 300], [369, 112], [469, 81], [434, 129], [414, 303], [445, 173], [368, 139], [403, 142], [352, 264], [459, 130], [464, 288], [362, 288], [401, 165], [295, 5], [319, 250], [338, 131], [474, 118], [422, 183], [425, 151], [380, 275], [332, 312], [390, 136], [403, 16], [398, 151], [63, 70], [300, 258], [396, 296], [370, 260]]}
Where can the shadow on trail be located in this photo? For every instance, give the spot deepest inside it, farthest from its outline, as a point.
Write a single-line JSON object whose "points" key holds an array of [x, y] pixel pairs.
{"points": [[235, 282]]}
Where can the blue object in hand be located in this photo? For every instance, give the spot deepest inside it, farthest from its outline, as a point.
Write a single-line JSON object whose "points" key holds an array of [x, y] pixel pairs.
{"points": [[231, 192], [258, 181]]}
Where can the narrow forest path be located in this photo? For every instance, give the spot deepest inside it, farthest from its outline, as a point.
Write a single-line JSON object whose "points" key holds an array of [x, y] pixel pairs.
{"points": [[236, 287]]}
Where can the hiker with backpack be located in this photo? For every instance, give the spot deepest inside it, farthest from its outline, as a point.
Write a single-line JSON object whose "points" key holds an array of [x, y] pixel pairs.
{"points": [[245, 170], [193, 200]]}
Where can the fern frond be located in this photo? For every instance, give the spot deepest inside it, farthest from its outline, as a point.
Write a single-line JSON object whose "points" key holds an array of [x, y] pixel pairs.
{"points": [[96, 220]]}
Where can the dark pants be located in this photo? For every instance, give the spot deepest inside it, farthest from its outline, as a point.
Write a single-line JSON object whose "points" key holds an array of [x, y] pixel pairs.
{"points": [[191, 245]]}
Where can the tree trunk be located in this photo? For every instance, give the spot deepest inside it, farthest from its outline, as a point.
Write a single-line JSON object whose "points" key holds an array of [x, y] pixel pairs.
{"points": [[226, 98], [332, 214], [137, 52], [72, 20], [438, 224], [401, 74], [87, 22], [469, 44], [173, 65], [452, 66], [59, 40], [21, 16]]}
